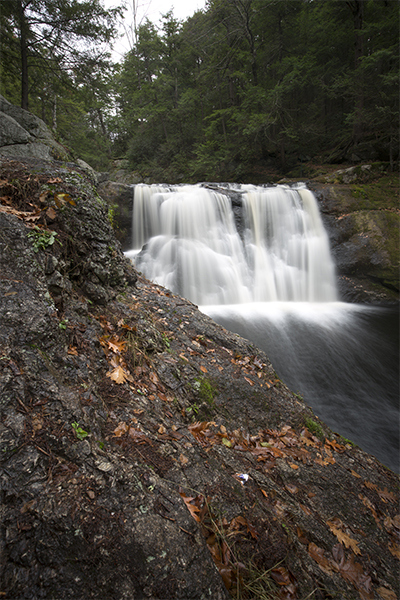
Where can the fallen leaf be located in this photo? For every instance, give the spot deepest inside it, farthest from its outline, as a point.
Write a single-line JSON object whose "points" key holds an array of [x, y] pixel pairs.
{"points": [[291, 488], [161, 429], [386, 594], [120, 429], [337, 447], [51, 213], [119, 375], [249, 381], [116, 346], [302, 537], [203, 369], [293, 466], [319, 556], [386, 496], [354, 572], [192, 508], [153, 377], [183, 459], [343, 538], [367, 502], [395, 550], [280, 575], [305, 509], [227, 442]]}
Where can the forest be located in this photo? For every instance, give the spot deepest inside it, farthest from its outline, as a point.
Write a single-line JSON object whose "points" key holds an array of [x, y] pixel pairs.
{"points": [[239, 90]]}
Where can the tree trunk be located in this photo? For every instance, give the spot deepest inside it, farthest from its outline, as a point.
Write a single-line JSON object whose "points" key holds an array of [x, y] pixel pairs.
{"points": [[23, 30], [357, 8], [55, 113]]}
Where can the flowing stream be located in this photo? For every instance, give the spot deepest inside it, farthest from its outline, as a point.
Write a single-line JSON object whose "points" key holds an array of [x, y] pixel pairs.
{"points": [[257, 260]]}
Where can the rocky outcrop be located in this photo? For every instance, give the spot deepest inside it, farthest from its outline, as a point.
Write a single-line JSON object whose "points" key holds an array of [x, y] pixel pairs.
{"points": [[359, 206], [146, 451], [25, 135]]}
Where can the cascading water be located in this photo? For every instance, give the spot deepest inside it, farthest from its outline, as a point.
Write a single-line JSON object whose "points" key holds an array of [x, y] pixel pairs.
{"points": [[262, 268], [193, 247]]}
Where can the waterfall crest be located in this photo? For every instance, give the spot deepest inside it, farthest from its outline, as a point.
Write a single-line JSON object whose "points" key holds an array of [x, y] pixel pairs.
{"points": [[187, 239]]}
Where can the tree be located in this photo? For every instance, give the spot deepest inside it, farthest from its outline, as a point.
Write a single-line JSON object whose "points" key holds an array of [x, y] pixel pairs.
{"points": [[55, 34]]}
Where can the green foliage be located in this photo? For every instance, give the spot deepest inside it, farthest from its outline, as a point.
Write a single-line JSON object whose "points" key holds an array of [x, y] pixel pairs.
{"points": [[250, 82], [50, 65], [315, 429], [63, 324], [42, 238], [81, 434], [239, 86], [205, 390], [112, 211]]}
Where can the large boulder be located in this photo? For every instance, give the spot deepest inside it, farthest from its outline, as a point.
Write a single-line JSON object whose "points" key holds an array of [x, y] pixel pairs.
{"points": [[25, 135]]}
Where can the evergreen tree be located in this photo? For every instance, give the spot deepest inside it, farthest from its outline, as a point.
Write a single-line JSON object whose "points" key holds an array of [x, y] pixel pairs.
{"points": [[53, 35]]}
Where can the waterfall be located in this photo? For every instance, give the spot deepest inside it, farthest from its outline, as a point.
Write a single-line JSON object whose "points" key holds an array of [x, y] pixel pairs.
{"points": [[186, 239]]}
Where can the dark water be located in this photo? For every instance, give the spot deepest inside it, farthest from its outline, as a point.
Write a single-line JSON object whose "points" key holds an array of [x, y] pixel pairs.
{"points": [[343, 359]]}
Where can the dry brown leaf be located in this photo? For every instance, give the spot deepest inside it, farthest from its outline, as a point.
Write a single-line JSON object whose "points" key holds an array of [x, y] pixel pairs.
{"points": [[51, 213], [119, 375], [249, 381], [395, 550], [319, 556], [367, 502], [183, 459], [292, 488], [192, 508], [203, 369], [280, 575], [386, 594], [116, 346], [305, 509], [343, 538], [386, 496], [153, 377], [120, 429], [354, 573], [370, 485]]}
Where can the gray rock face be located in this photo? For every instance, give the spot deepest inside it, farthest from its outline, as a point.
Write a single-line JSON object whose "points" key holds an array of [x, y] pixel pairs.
{"points": [[364, 239], [24, 134]]}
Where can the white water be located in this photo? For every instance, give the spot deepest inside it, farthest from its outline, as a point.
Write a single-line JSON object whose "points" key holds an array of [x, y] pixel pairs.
{"points": [[271, 279], [192, 245]]}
